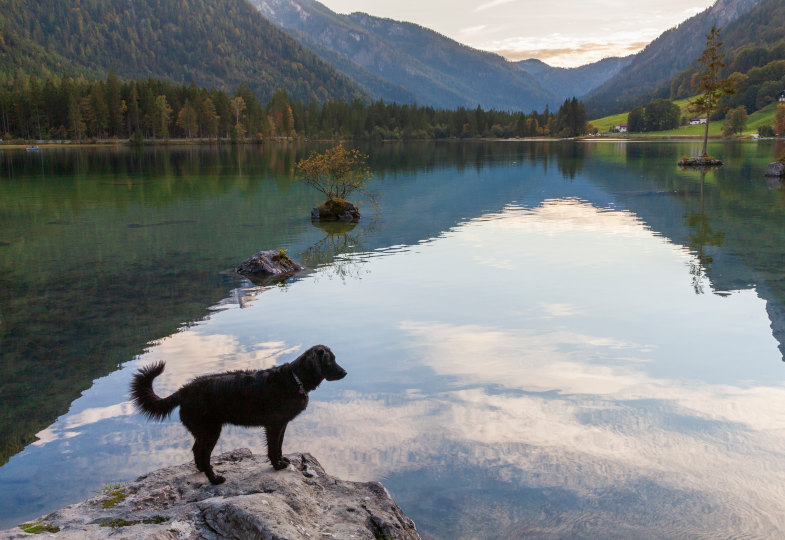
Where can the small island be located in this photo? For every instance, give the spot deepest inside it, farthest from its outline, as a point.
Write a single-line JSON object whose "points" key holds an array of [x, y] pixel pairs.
{"points": [[335, 173], [700, 161]]}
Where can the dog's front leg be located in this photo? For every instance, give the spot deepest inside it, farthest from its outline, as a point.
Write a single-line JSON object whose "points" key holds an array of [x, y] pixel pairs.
{"points": [[275, 434]]}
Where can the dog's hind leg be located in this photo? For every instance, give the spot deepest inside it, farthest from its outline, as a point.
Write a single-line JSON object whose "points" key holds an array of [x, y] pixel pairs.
{"points": [[275, 434], [203, 446]]}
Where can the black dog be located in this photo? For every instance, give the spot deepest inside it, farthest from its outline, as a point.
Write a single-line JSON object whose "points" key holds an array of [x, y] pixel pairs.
{"points": [[269, 397]]}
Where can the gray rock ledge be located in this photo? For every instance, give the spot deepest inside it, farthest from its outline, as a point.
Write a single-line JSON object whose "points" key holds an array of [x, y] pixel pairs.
{"points": [[776, 169], [256, 502], [267, 267]]}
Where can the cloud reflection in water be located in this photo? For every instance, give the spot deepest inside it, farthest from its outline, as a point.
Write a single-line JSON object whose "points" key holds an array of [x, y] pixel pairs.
{"points": [[545, 371]]}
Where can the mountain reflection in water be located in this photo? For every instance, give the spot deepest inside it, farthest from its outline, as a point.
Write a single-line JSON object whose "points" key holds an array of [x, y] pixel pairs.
{"points": [[526, 353]]}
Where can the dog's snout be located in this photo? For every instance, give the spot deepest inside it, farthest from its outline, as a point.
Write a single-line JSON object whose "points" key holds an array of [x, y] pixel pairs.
{"points": [[336, 373]]}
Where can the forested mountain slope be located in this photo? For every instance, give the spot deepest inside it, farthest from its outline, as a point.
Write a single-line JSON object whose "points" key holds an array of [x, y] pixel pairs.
{"points": [[577, 81], [754, 46], [663, 58], [403, 61], [220, 43]]}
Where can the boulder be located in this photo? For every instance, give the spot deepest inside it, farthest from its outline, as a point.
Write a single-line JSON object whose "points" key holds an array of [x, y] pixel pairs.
{"points": [[335, 210], [267, 267], [700, 162], [299, 502], [776, 169]]}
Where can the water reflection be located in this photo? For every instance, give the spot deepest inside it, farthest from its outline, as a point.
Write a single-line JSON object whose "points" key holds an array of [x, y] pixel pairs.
{"points": [[526, 352], [340, 252], [701, 237]]}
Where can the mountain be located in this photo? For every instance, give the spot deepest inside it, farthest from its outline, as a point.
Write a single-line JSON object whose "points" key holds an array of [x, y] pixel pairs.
{"points": [[404, 62], [754, 45], [662, 59], [578, 81], [212, 43]]}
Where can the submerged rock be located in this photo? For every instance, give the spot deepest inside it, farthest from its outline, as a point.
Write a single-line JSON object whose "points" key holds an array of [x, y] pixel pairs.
{"points": [[300, 502], [267, 267], [335, 210], [700, 162], [776, 168]]}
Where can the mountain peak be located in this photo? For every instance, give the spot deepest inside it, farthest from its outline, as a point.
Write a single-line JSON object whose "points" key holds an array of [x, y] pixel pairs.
{"points": [[390, 57]]}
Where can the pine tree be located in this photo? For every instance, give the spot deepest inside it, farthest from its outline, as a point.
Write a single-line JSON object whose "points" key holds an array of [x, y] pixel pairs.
{"points": [[188, 119], [161, 116], [114, 102], [709, 84], [132, 118], [208, 118]]}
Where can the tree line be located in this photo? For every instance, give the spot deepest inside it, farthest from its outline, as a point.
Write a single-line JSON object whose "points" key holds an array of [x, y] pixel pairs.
{"points": [[66, 108]]}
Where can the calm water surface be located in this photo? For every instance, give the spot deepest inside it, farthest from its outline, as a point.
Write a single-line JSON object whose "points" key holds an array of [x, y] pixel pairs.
{"points": [[543, 339]]}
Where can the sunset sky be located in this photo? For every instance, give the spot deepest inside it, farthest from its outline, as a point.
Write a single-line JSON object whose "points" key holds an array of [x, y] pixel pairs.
{"points": [[560, 32]]}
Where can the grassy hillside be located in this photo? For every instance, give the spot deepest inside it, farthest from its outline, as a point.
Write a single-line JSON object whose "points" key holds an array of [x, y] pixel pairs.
{"points": [[607, 122], [757, 119]]}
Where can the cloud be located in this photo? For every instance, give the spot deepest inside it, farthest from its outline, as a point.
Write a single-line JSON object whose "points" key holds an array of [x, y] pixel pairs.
{"points": [[188, 354], [473, 29], [573, 56], [569, 55], [491, 4]]}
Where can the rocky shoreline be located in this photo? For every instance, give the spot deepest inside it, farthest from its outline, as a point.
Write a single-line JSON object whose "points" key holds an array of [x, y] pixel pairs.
{"points": [[255, 502]]}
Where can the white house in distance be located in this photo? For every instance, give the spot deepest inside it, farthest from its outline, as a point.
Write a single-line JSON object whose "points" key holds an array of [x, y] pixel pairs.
{"points": [[697, 121], [781, 97], [621, 128]]}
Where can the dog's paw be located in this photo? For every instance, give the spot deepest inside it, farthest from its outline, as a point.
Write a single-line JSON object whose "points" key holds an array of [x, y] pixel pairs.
{"points": [[281, 464], [218, 479], [285, 460]]}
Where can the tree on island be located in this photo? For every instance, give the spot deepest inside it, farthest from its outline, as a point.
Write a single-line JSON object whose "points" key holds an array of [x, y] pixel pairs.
{"points": [[336, 173], [709, 84]]}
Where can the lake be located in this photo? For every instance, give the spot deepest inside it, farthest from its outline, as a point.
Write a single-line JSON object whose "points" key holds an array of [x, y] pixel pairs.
{"points": [[543, 339]]}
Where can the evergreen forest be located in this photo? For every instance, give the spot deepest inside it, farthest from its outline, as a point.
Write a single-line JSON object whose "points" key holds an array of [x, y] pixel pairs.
{"points": [[55, 108], [213, 43]]}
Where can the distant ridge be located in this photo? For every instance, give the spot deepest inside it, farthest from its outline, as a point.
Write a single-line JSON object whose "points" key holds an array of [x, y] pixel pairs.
{"points": [[577, 81], [400, 61]]}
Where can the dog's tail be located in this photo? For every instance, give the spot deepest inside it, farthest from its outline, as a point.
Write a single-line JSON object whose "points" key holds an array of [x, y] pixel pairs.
{"points": [[145, 399]]}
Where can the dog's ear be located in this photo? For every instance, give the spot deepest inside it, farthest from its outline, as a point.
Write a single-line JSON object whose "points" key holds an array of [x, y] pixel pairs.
{"points": [[326, 356], [314, 361]]}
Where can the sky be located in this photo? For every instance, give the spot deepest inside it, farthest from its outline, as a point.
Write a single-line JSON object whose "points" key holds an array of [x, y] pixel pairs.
{"points": [[564, 33]]}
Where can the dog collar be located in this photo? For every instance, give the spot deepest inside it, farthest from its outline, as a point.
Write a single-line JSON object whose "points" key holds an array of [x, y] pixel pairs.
{"points": [[299, 382]]}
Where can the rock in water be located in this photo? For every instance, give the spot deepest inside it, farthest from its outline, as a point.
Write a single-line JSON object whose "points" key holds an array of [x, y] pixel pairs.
{"points": [[700, 162], [254, 502], [776, 168], [267, 267], [335, 210]]}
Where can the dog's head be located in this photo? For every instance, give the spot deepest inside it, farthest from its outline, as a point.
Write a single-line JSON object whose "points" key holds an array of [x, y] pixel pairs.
{"points": [[325, 358], [317, 364]]}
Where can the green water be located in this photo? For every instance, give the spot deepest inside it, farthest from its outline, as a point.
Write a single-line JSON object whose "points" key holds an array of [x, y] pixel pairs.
{"points": [[555, 339]]}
